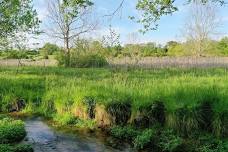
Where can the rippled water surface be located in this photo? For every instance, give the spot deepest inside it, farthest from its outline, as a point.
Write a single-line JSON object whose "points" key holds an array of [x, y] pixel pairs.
{"points": [[46, 139]]}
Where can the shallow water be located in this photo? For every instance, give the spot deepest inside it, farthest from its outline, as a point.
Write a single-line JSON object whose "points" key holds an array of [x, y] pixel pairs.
{"points": [[46, 139]]}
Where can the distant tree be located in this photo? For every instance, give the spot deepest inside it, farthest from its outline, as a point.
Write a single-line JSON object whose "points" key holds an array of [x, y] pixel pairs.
{"points": [[69, 19], [201, 25], [49, 49], [171, 43], [223, 45], [112, 39]]}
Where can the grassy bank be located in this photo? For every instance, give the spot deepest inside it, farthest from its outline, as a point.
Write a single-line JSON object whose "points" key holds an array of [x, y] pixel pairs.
{"points": [[184, 100]]}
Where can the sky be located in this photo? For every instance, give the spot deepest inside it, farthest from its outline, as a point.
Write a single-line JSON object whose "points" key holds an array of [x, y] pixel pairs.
{"points": [[169, 28]]}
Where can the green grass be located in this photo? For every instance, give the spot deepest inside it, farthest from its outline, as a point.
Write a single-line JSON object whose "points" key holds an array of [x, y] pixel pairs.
{"points": [[175, 87], [51, 91], [195, 100]]}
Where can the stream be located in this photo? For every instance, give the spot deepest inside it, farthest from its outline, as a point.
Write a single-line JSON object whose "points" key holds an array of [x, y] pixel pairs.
{"points": [[44, 138]]}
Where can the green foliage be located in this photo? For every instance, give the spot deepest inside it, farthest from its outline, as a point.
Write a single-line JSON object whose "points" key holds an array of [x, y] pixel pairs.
{"points": [[17, 148], [152, 10], [169, 141], [66, 119], [83, 60], [208, 143], [143, 50], [49, 49], [145, 139], [59, 90], [11, 131], [223, 45], [126, 132], [17, 15], [88, 60]]}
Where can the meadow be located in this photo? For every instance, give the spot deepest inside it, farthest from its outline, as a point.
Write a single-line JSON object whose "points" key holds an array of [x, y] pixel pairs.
{"points": [[185, 100]]}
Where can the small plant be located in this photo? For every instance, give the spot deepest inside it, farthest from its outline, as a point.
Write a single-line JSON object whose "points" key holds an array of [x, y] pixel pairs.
{"points": [[146, 139], [210, 144], [168, 141], [127, 132]]}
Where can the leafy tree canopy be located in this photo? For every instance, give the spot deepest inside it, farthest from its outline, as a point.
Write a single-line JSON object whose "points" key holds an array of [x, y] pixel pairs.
{"points": [[17, 16], [152, 10]]}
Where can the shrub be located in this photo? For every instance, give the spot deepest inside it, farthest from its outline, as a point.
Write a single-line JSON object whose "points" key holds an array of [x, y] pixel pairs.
{"points": [[126, 132], [120, 111], [88, 60], [210, 144], [78, 60], [11, 131], [146, 139], [169, 141]]}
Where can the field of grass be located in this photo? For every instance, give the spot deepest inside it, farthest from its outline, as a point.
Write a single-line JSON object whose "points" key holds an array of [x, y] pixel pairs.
{"points": [[175, 87], [185, 100]]}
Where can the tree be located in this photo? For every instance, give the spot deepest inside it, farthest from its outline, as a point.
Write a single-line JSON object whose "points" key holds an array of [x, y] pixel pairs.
{"points": [[16, 16], [112, 41], [152, 10], [201, 25], [223, 45], [70, 20], [49, 49]]}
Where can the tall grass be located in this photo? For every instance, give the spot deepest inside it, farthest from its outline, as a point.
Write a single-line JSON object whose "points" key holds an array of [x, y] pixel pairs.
{"points": [[51, 90], [175, 87]]}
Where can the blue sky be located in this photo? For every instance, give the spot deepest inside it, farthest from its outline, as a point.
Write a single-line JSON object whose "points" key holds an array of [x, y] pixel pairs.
{"points": [[169, 26]]}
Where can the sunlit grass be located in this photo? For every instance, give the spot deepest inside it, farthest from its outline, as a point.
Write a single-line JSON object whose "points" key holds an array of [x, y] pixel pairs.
{"points": [[175, 87]]}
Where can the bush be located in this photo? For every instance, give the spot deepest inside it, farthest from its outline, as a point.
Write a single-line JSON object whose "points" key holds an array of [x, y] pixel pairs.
{"points": [[87, 60], [146, 139], [210, 144], [169, 141], [11, 131], [78, 60], [127, 132]]}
